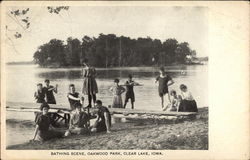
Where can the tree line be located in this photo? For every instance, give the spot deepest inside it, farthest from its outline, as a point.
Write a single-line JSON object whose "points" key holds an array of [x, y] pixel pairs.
{"points": [[112, 51]]}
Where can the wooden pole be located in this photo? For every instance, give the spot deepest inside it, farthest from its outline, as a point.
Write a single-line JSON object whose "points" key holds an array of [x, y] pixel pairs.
{"points": [[120, 53]]}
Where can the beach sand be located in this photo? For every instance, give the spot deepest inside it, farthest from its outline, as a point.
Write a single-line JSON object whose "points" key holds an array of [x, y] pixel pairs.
{"points": [[182, 134]]}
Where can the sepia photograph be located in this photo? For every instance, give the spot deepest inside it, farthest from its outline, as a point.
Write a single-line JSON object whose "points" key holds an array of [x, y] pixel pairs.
{"points": [[106, 77]]}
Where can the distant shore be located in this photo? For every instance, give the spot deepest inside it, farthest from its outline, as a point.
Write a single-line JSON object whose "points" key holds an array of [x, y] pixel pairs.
{"points": [[173, 135], [110, 67]]}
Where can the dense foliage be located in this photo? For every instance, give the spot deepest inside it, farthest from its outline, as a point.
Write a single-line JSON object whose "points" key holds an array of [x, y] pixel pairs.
{"points": [[110, 50]]}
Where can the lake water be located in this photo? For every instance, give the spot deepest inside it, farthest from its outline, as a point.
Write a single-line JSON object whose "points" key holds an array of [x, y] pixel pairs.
{"points": [[22, 79]]}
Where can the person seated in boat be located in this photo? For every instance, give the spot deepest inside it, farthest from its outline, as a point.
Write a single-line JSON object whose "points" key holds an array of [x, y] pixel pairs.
{"points": [[103, 121], [44, 129], [117, 91], [40, 94], [49, 89], [175, 101], [73, 97], [187, 104], [79, 121], [130, 91]]}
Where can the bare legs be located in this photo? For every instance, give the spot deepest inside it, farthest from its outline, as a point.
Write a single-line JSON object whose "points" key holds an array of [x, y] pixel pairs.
{"points": [[90, 97], [132, 104], [167, 97]]}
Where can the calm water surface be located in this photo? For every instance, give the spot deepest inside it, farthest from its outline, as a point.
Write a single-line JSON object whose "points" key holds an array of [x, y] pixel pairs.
{"points": [[22, 79]]}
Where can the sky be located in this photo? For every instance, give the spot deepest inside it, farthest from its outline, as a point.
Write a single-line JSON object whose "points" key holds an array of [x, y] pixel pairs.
{"points": [[188, 24]]}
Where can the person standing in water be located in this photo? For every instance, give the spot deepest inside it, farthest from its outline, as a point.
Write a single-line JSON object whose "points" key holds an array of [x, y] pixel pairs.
{"points": [[40, 94], [89, 83], [130, 91], [164, 81], [49, 89], [117, 91]]}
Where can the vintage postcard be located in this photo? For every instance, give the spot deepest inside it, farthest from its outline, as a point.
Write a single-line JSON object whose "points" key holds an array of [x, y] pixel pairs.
{"points": [[124, 80]]}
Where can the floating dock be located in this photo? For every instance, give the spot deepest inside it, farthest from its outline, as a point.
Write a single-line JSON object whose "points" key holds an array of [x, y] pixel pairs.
{"points": [[31, 107]]}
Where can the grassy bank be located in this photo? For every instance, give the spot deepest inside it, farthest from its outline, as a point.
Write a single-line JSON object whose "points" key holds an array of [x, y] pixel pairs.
{"points": [[174, 135]]}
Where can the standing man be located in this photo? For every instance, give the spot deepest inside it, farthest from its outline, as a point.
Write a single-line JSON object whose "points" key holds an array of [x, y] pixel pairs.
{"points": [[103, 122], [49, 89], [89, 83], [130, 91]]}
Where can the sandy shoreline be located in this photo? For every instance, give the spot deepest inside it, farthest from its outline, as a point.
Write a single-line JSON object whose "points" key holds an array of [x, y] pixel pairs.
{"points": [[171, 135]]}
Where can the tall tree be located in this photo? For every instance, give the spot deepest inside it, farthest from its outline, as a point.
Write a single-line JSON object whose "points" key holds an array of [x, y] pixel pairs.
{"points": [[74, 51], [182, 51]]}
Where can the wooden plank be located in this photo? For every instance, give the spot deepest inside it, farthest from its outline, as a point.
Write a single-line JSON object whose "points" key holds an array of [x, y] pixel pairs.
{"points": [[144, 117], [23, 105]]}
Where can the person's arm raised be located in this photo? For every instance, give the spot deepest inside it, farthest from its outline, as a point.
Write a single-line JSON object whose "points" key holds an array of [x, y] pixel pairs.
{"points": [[136, 84], [55, 89], [35, 95], [157, 79], [111, 89], [94, 73]]}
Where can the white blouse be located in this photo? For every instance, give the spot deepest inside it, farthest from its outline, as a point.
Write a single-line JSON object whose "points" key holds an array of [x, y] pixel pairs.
{"points": [[187, 96]]}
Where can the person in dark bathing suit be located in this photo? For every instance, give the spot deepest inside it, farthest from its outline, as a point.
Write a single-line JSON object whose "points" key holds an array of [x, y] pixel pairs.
{"points": [[103, 122], [164, 81], [73, 97], [39, 94], [44, 130], [50, 98], [130, 91]]}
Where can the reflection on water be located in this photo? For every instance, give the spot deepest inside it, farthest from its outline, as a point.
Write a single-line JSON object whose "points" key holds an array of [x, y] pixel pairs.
{"points": [[21, 85], [22, 80]]}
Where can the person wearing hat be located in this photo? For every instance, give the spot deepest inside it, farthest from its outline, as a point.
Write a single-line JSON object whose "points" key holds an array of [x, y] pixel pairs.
{"points": [[44, 129], [79, 121], [103, 121]]}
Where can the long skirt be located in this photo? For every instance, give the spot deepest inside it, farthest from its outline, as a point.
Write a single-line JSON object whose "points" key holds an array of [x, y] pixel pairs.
{"points": [[117, 101], [89, 86], [188, 106]]}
